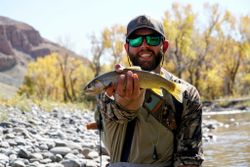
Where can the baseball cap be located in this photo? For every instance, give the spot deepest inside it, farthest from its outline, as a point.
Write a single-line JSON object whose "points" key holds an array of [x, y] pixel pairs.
{"points": [[144, 21]]}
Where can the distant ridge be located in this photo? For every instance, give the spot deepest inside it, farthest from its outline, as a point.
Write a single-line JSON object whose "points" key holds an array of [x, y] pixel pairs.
{"points": [[20, 43]]}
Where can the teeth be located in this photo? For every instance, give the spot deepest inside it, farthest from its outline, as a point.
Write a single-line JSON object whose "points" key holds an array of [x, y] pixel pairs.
{"points": [[145, 55]]}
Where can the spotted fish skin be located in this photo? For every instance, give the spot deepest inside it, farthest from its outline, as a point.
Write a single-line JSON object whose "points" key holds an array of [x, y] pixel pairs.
{"points": [[148, 80]]}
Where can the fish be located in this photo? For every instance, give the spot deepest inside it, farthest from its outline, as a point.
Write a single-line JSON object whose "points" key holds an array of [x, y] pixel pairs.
{"points": [[147, 80]]}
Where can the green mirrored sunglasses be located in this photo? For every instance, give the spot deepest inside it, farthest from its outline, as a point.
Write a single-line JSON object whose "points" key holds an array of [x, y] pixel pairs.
{"points": [[151, 40]]}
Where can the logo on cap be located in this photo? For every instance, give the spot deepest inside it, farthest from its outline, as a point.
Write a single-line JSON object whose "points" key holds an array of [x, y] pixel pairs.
{"points": [[143, 20]]}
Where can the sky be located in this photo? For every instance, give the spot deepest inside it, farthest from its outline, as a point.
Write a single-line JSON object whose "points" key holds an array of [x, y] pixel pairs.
{"points": [[73, 21]]}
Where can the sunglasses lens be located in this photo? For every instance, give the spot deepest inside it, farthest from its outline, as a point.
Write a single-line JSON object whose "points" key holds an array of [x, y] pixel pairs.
{"points": [[153, 40], [135, 42]]}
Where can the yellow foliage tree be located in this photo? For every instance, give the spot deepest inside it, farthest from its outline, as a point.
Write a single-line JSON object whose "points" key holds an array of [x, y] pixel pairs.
{"points": [[179, 27], [114, 40], [56, 77]]}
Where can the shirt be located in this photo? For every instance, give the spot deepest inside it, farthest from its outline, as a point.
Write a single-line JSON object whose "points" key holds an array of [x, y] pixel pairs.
{"points": [[176, 139]]}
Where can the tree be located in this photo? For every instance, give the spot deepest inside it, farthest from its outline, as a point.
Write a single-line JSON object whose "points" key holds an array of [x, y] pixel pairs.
{"points": [[210, 56], [244, 44], [114, 41], [97, 50], [179, 28], [56, 77]]}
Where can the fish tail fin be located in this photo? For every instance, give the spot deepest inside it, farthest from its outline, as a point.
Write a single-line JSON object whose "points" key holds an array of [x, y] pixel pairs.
{"points": [[177, 92]]}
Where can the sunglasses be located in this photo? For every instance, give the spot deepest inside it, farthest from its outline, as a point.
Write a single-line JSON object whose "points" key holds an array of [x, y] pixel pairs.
{"points": [[151, 39]]}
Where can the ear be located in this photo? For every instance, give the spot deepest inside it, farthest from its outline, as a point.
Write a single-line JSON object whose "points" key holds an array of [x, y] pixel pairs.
{"points": [[126, 47], [165, 46]]}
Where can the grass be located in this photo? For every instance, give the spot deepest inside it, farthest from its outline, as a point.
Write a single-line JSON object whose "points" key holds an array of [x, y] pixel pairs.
{"points": [[7, 91], [3, 116], [234, 102], [25, 104]]}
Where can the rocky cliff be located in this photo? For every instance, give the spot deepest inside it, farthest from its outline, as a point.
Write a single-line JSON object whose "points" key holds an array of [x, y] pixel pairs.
{"points": [[20, 43], [17, 36]]}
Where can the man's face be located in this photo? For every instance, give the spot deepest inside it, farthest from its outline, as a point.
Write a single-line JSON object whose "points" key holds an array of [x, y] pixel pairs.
{"points": [[146, 56]]}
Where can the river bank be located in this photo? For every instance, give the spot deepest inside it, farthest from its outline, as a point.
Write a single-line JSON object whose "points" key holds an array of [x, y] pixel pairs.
{"points": [[56, 139], [53, 139]]}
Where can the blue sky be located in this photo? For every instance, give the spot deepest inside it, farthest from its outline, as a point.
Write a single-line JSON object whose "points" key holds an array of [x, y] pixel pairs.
{"points": [[75, 20]]}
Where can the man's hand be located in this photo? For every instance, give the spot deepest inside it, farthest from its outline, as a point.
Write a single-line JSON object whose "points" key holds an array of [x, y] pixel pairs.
{"points": [[127, 92]]}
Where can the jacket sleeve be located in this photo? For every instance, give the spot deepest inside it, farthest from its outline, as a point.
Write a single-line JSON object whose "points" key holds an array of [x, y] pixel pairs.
{"points": [[111, 111], [188, 140]]}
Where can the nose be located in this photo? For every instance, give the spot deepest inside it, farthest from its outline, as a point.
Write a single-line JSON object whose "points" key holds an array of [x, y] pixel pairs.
{"points": [[144, 43]]}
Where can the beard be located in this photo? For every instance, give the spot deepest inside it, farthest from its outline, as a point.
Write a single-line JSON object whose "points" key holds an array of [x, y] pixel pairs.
{"points": [[148, 66]]}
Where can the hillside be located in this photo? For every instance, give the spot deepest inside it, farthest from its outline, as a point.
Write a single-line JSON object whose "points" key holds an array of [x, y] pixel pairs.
{"points": [[20, 43]]}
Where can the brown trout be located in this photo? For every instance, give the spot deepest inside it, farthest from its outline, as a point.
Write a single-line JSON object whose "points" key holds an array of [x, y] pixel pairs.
{"points": [[148, 80]]}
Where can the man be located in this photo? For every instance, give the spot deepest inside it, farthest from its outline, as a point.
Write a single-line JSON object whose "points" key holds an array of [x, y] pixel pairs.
{"points": [[150, 127]]}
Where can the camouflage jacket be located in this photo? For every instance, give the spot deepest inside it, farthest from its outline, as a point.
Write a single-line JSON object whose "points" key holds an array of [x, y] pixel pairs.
{"points": [[173, 128]]}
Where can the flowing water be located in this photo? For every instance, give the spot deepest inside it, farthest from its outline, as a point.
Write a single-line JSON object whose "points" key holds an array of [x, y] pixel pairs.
{"points": [[230, 146]]}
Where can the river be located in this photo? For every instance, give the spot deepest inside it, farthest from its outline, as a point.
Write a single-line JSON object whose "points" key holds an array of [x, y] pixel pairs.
{"points": [[230, 146]]}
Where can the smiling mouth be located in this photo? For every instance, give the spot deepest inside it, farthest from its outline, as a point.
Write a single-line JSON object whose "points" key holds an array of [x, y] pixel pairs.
{"points": [[146, 56]]}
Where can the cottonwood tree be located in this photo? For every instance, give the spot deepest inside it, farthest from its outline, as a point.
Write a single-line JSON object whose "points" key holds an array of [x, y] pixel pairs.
{"points": [[56, 77], [114, 38], [179, 27]]}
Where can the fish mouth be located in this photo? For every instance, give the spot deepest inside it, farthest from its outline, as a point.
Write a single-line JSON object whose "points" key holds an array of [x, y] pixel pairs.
{"points": [[92, 92]]}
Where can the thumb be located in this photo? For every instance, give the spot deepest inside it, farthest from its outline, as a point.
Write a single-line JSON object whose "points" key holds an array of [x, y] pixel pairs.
{"points": [[119, 68]]}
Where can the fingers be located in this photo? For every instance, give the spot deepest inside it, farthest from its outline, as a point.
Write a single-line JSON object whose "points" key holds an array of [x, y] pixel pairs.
{"points": [[128, 92], [111, 89], [137, 90], [128, 85], [120, 90]]}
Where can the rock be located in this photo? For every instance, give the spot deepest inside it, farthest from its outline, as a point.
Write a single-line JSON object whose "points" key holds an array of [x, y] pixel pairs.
{"points": [[70, 156], [12, 157], [4, 144], [6, 124], [73, 145], [60, 150], [10, 136], [5, 47], [86, 152], [36, 156], [18, 163], [53, 165], [39, 52], [4, 158], [91, 163], [93, 154], [58, 158], [70, 163], [46, 161], [23, 153], [49, 144]]}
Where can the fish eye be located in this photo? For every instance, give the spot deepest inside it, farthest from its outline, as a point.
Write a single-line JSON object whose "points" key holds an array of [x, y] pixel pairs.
{"points": [[88, 86]]}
